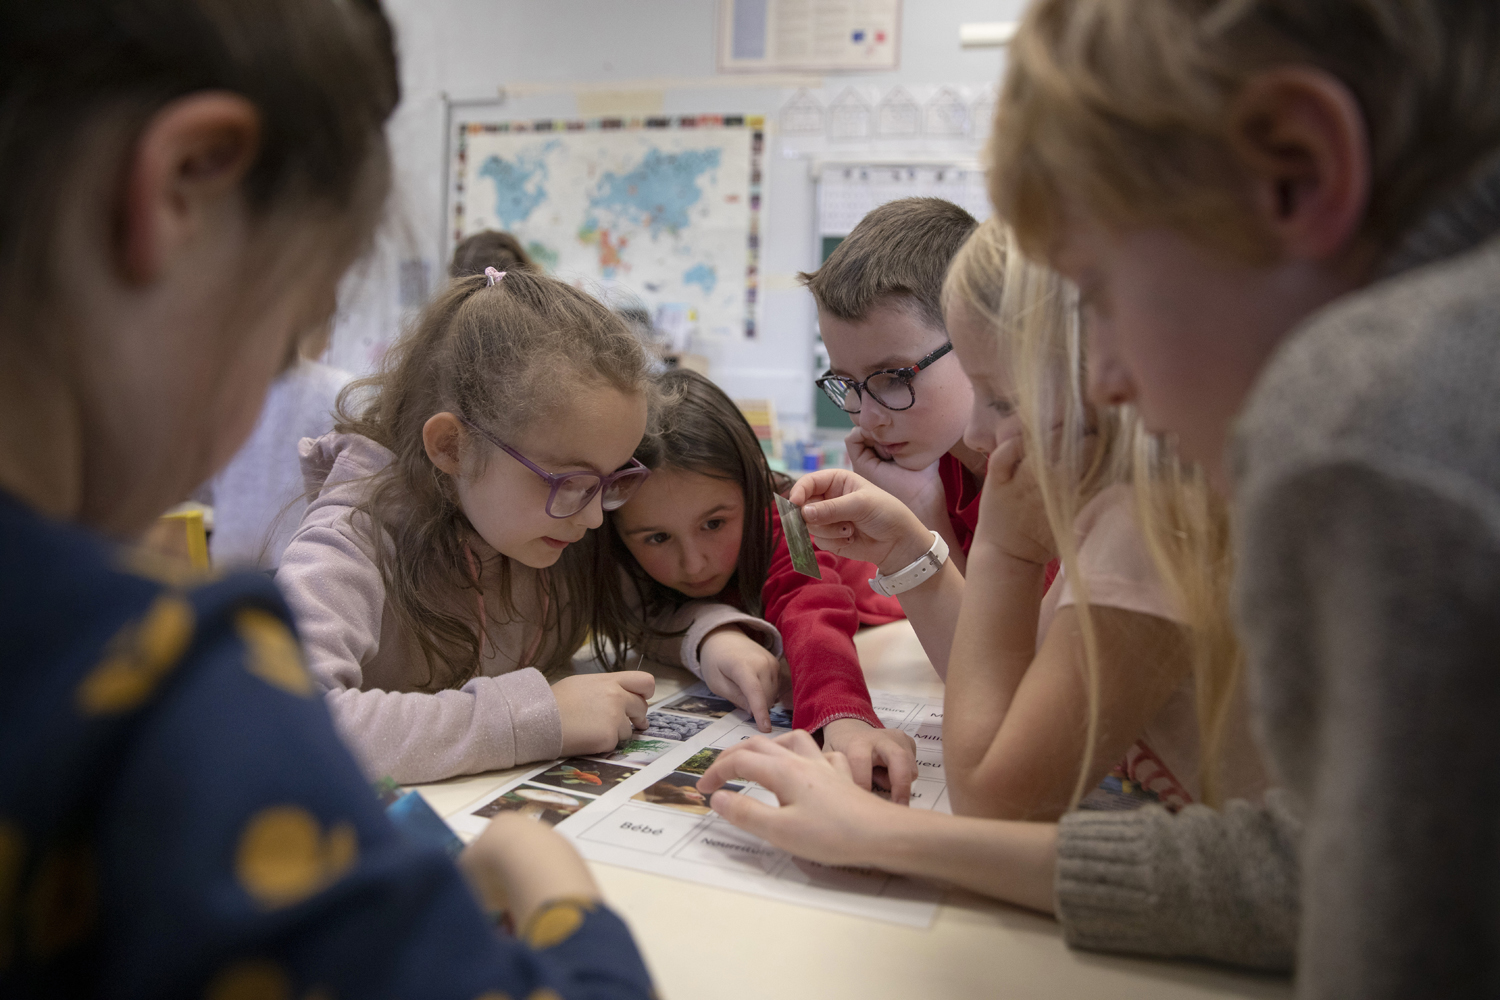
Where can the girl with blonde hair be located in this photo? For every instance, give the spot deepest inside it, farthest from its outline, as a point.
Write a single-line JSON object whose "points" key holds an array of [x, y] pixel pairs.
{"points": [[1050, 689], [1112, 660], [1284, 218], [1046, 692]]}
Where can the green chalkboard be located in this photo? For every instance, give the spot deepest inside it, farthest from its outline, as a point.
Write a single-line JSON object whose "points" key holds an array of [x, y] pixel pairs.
{"points": [[825, 414]]}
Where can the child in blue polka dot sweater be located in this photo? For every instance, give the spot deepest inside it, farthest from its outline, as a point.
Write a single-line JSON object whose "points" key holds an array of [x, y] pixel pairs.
{"points": [[177, 816]]}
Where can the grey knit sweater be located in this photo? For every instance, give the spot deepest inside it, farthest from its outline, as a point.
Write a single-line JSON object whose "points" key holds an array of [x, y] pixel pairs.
{"points": [[1367, 496]]}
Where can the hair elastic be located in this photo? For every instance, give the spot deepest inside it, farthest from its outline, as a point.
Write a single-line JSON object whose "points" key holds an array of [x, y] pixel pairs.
{"points": [[493, 275]]}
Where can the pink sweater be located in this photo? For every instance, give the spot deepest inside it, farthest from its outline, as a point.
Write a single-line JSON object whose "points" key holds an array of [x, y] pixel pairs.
{"points": [[370, 669], [1113, 558]]}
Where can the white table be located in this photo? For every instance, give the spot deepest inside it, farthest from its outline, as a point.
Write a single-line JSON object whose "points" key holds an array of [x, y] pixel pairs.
{"points": [[706, 942]]}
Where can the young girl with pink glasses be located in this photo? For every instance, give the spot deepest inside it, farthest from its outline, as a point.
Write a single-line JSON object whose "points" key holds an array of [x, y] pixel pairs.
{"points": [[446, 570]]}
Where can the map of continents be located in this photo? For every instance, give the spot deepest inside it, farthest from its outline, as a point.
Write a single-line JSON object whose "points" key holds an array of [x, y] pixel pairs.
{"points": [[664, 214]]}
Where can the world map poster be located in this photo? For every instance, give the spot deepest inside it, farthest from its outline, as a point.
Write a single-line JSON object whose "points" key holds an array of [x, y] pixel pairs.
{"points": [[665, 208]]}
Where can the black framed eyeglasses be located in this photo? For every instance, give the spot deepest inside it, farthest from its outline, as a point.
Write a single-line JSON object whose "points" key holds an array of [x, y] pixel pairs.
{"points": [[890, 387], [572, 491]]}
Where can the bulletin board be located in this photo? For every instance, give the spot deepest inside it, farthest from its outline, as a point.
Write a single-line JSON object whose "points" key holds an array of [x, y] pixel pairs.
{"points": [[802, 35]]}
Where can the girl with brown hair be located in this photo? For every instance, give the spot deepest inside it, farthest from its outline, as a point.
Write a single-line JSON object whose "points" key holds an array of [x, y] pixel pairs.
{"points": [[705, 527], [445, 570]]}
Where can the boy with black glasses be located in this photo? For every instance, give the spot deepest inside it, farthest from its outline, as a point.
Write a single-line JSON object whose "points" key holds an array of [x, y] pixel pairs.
{"points": [[880, 314]]}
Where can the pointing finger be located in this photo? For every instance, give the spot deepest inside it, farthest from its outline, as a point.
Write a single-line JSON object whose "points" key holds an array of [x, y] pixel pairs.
{"points": [[744, 812], [755, 698]]}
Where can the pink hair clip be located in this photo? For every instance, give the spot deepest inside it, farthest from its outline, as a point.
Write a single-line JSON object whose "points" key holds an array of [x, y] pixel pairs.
{"points": [[493, 275]]}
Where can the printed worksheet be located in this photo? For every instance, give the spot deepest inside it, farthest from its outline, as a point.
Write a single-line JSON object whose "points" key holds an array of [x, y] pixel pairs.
{"points": [[639, 807]]}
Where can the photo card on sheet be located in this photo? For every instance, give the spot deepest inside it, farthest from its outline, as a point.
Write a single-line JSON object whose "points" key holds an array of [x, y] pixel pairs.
{"points": [[699, 762], [638, 751], [591, 777], [680, 791], [548, 805], [708, 706], [667, 726]]}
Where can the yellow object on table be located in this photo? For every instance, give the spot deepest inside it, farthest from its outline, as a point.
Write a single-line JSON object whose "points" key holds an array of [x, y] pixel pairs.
{"points": [[180, 534]]}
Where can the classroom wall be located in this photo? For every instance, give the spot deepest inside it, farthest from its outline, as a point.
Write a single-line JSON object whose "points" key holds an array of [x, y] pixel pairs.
{"points": [[553, 60]]}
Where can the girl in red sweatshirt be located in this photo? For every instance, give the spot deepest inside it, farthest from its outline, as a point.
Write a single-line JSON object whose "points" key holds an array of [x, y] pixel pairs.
{"points": [[704, 526]]}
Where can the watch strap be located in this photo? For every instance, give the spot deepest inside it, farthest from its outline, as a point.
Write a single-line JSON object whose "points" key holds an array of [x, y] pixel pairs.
{"points": [[914, 575]]}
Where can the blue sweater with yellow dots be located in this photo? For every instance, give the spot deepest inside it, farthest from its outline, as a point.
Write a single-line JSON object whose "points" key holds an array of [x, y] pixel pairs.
{"points": [[178, 819]]}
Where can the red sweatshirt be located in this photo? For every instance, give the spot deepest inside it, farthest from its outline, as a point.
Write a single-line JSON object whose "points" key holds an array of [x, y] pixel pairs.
{"points": [[817, 620], [961, 495]]}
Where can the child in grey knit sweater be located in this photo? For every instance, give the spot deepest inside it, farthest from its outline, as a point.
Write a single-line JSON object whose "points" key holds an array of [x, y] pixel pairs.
{"points": [[1284, 218]]}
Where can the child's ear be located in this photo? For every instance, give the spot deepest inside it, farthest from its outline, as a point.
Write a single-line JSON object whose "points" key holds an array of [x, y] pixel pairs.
{"points": [[1301, 139], [441, 436], [185, 166]]}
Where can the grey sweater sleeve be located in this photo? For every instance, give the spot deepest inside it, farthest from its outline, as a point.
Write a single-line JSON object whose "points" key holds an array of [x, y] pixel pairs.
{"points": [[1378, 699], [1370, 599], [1198, 884]]}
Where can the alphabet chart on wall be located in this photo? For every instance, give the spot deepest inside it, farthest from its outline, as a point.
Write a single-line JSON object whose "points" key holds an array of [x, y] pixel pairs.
{"points": [[639, 808]]}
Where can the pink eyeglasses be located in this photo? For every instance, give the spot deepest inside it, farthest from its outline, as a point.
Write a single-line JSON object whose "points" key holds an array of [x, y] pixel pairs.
{"points": [[573, 491]]}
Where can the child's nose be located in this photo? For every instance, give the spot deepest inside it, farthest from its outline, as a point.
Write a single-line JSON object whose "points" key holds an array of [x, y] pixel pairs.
{"points": [[592, 514], [871, 414], [1109, 384], [694, 560], [979, 435]]}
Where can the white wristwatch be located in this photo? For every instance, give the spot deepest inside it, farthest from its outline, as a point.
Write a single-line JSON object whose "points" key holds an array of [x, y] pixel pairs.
{"points": [[927, 564]]}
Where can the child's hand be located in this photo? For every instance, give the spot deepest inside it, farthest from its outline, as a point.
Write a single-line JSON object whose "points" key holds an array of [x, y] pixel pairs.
{"points": [[737, 667], [849, 516], [517, 864], [600, 710], [1011, 515], [823, 815], [867, 748], [922, 491]]}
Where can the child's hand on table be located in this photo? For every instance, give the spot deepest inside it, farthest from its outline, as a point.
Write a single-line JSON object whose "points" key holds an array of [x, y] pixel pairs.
{"points": [[737, 667], [823, 816], [1011, 515], [867, 748], [851, 517], [921, 491], [517, 864], [600, 710]]}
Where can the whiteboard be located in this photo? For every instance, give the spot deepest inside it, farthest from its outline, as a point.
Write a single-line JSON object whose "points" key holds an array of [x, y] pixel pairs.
{"points": [[847, 192]]}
